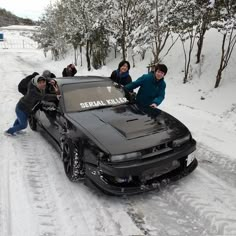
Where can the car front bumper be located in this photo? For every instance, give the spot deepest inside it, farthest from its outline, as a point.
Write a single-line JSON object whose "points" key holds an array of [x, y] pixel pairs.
{"points": [[142, 175]]}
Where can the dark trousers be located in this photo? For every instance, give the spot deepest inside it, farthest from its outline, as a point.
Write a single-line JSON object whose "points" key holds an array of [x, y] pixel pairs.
{"points": [[20, 123]]}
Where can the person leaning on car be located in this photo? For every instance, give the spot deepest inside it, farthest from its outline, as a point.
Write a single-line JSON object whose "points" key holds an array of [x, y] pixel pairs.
{"points": [[152, 87], [68, 71], [23, 85], [28, 103], [121, 75]]}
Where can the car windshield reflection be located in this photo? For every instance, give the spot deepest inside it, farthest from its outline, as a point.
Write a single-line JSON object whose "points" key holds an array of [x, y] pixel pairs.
{"points": [[82, 98]]}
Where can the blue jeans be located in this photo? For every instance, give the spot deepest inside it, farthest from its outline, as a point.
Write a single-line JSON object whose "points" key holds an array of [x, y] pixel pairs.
{"points": [[20, 123]]}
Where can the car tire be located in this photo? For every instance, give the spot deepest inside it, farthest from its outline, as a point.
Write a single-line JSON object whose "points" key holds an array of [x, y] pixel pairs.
{"points": [[32, 123], [72, 160]]}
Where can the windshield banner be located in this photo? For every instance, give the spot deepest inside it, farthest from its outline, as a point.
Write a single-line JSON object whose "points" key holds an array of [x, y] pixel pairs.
{"points": [[106, 102]]}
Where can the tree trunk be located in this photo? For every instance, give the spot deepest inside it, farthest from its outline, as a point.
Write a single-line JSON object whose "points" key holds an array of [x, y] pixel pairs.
{"points": [[81, 57], [75, 55], [133, 60], [185, 78], [187, 66], [221, 68], [123, 50], [123, 43], [143, 54], [218, 78], [87, 55], [200, 44]]}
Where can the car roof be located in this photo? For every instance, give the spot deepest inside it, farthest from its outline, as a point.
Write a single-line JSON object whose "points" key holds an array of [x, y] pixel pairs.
{"points": [[81, 79]]}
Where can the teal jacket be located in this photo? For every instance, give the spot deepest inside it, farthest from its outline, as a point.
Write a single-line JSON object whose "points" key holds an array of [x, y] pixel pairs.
{"points": [[151, 90]]}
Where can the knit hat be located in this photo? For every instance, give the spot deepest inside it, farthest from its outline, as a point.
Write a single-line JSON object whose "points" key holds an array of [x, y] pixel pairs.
{"points": [[47, 74], [41, 78], [161, 67], [122, 63]]}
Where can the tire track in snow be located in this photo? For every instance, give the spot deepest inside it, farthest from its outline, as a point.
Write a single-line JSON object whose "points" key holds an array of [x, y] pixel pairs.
{"points": [[203, 203], [84, 210], [211, 199], [158, 213], [5, 203], [217, 164], [103, 215], [56, 211], [58, 206], [36, 180], [99, 215]]}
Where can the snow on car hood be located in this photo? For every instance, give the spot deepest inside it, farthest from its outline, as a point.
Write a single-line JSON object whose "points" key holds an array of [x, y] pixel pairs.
{"points": [[121, 130]]}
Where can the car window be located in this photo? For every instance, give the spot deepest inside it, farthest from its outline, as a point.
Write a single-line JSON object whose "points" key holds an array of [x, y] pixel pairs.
{"points": [[83, 97]]}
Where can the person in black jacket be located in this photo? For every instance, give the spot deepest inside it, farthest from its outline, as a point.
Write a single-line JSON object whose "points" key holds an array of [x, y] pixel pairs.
{"points": [[70, 70], [23, 85], [35, 94], [121, 75]]}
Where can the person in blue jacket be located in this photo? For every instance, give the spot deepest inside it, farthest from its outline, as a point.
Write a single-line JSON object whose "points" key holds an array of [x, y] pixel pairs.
{"points": [[152, 87]]}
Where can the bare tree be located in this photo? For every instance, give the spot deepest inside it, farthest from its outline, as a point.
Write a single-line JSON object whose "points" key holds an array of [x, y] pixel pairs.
{"points": [[225, 14]]}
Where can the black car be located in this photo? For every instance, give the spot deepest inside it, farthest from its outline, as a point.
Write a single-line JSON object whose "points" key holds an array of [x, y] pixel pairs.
{"points": [[112, 143]]}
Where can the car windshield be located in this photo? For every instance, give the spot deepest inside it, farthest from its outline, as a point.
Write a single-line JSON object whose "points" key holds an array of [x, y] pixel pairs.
{"points": [[81, 97]]}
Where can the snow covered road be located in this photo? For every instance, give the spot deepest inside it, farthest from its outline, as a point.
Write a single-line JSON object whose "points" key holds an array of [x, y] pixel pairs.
{"points": [[36, 198]]}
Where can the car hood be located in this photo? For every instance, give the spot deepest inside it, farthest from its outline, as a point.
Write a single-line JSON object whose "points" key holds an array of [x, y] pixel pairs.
{"points": [[124, 129]]}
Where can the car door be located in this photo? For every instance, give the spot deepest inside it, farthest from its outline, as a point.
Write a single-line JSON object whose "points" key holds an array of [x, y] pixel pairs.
{"points": [[51, 118]]}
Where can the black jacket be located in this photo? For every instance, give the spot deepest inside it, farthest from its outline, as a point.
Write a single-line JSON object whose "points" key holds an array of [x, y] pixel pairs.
{"points": [[123, 81], [33, 97], [66, 72], [23, 85]]}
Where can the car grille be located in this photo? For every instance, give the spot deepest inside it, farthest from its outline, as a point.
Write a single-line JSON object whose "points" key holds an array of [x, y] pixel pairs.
{"points": [[157, 150]]}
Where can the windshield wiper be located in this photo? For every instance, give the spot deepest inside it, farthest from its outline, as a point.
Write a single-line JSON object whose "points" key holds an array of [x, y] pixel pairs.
{"points": [[95, 108], [105, 106]]}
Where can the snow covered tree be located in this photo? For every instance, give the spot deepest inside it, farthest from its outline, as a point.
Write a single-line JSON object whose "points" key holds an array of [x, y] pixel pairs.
{"points": [[205, 7], [126, 16], [100, 45], [225, 23], [159, 28], [184, 19], [85, 24], [138, 39], [49, 34]]}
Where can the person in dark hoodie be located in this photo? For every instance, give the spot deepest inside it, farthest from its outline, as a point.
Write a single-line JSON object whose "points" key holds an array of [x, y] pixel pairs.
{"points": [[70, 70], [121, 75], [35, 94], [23, 85], [152, 87]]}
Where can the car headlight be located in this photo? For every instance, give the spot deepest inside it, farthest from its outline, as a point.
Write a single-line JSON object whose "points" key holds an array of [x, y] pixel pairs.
{"points": [[125, 157], [180, 141]]}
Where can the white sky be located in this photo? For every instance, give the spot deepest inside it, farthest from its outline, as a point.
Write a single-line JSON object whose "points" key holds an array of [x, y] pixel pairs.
{"points": [[32, 9]]}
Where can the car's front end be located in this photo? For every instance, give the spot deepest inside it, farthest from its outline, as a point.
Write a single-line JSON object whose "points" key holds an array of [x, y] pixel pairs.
{"points": [[142, 171], [134, 152]]}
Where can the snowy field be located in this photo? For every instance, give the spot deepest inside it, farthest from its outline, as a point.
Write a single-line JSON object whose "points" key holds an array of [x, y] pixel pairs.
{"points": [[37, 199]]}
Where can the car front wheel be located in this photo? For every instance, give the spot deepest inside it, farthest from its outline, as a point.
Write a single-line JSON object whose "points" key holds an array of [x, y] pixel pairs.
{"points": [[72, 160]]}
